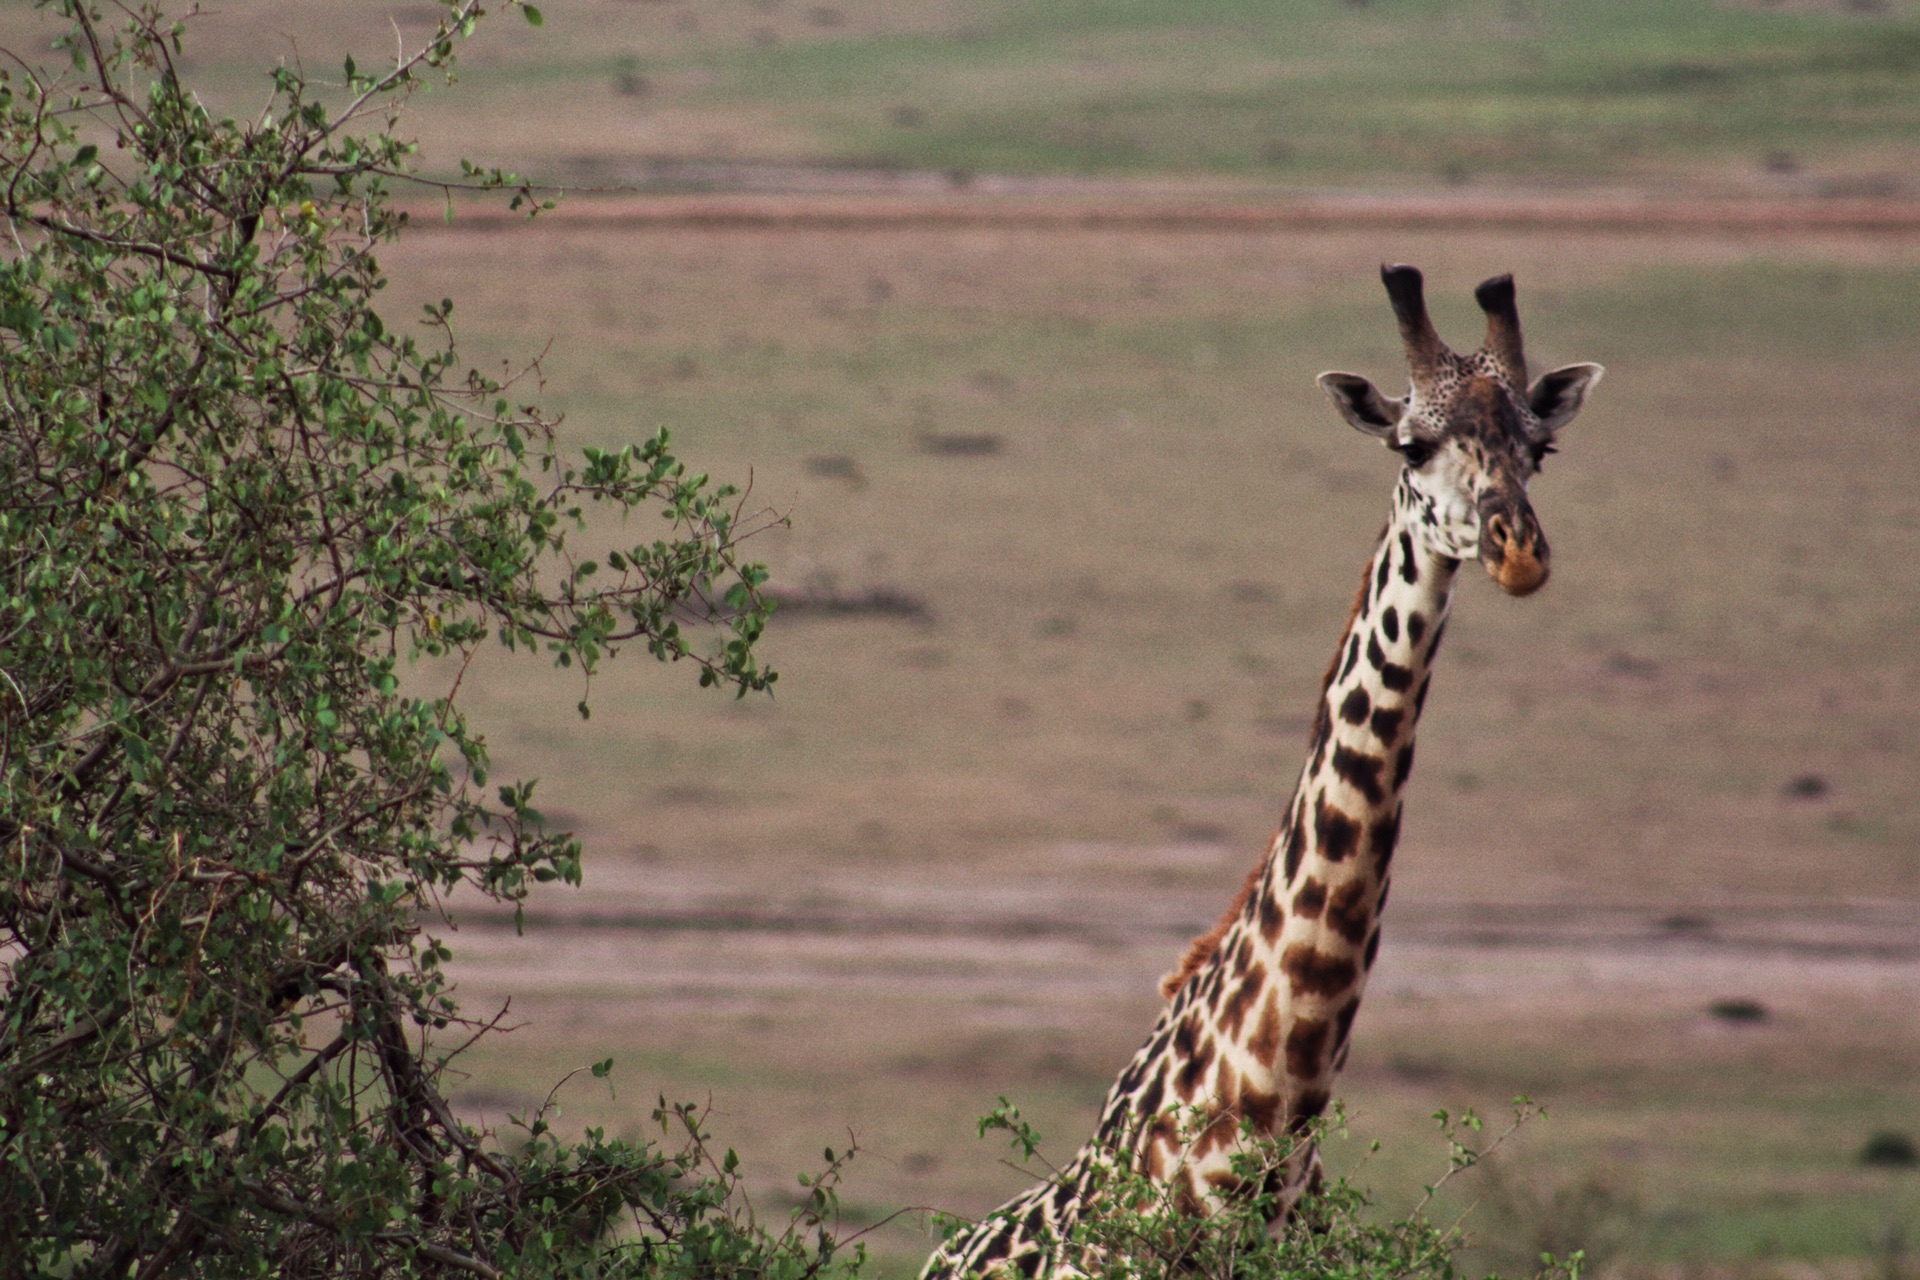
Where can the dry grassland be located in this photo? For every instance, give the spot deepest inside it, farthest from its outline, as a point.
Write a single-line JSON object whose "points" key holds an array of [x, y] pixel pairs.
{"points": [[1104, 530], [1078, 533]]}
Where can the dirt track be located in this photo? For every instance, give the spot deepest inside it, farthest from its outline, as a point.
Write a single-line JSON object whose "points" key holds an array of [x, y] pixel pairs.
{"points": [[1162, 212], [639, 933]]}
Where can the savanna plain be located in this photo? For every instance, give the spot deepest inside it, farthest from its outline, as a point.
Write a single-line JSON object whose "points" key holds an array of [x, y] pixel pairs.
{"points": [[1065, 535], [1072, 536]]}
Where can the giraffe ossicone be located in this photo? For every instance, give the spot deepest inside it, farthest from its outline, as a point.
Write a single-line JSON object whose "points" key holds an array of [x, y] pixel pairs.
{"points": [[1259, 1012]]}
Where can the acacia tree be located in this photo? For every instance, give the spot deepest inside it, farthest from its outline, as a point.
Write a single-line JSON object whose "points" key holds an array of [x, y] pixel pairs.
{"points": [[235, 502]]}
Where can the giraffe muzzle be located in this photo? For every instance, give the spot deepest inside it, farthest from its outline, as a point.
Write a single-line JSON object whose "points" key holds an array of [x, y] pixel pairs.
{"points": [[1514, 551]]}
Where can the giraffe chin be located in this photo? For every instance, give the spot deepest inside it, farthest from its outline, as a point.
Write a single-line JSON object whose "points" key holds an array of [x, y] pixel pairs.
{"points": [[1520, 574]]}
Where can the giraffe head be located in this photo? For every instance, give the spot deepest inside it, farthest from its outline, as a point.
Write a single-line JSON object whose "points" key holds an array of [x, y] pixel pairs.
{"points": [[1472, 431]]}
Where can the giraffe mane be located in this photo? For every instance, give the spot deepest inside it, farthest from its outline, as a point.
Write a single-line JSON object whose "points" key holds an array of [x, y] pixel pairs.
{"points": [[1202, 948], [1206, 944]]}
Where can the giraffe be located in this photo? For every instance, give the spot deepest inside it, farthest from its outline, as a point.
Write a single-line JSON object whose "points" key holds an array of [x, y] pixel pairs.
{"points": [[1258, 1013]]}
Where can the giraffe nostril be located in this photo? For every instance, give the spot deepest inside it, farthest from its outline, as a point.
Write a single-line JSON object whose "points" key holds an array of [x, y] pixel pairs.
{"points": [[1497, 534]]}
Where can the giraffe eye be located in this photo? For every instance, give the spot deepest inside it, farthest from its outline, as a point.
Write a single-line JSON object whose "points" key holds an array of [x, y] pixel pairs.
{"points": [[1418, 453]]}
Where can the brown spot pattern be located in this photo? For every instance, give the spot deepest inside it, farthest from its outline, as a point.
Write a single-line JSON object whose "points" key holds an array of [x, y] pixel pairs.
{"points": [[1186, 1082], [1315, 973], [1234, 1013], [1338, 835], [1272, 918], [1260, 1107], [1349, 911], [1309, 1105], [1265, 1044], [1307, 1048], [1385, 834], [1361, 772]]}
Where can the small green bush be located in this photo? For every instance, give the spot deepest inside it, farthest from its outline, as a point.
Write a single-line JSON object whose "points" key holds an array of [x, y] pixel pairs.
{"points": [[1132, 1228]]}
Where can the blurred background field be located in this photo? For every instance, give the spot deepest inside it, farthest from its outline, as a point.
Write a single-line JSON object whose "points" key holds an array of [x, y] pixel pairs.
{"points": [[1697, 96], [1073, 533]]}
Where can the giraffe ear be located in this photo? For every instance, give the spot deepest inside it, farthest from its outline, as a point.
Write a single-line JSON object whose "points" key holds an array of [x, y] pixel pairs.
{"points": [[1362, 405], [1557, 395]]}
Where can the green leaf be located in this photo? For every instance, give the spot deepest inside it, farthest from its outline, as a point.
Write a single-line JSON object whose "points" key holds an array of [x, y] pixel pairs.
{"points": [[533, 15]]}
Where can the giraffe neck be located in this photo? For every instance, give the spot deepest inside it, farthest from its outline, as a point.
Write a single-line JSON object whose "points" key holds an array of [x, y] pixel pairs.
{"points": [[1258, 1017]]}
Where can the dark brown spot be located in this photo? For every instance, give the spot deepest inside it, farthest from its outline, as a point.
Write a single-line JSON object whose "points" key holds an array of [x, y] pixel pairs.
{"points": [[1186, 1037], [1307, 1048], [1354, 710], [1408, 569], [1403, 766], [1396, 677], [1259, 1107], [1163, 1142], [1156, 1159], [1383, 839], [1311, 900], [1266, 1036], [1386, 723], [1353, 656], [1315, 973], [1416, 627], [1296, 842], [1307, 1107], [1362, 773], [1226, 1085], [1390, 624], [1187, 1197], [1337, 834], [1224, 1182], [1373, 948], [1272, 917], [1219, 1132], [1193, 1071], [1151, 1097], [1386, 568], [1234, 1012], [1376, 656], [1349, 911]]}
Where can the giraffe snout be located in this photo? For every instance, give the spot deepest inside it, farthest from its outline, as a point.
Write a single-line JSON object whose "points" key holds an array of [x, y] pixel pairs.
{"points": [[1514, 550]]}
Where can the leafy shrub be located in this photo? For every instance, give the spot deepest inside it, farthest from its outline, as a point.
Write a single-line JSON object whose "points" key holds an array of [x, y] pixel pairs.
{"points": [[1134, 1228], [235, 501]]}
